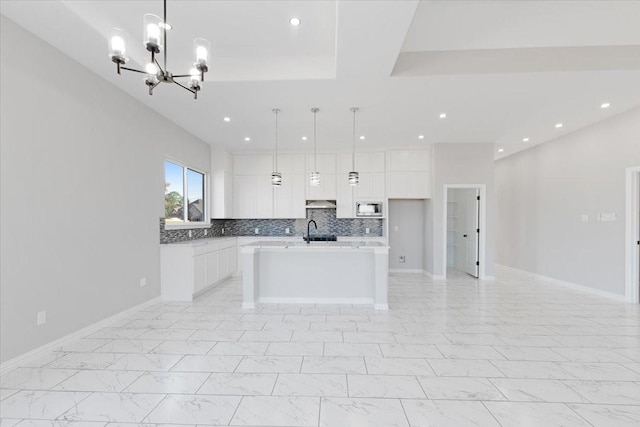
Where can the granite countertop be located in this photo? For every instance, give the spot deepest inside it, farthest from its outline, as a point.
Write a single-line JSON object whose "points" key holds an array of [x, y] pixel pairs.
{"points": [[200, 242], [315, 245]]}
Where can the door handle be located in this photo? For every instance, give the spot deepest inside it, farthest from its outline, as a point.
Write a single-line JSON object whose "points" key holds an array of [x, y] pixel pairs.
{"points": [[464, 235]]}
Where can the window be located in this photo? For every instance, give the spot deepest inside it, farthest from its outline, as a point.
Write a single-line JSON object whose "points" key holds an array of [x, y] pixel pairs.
{"points": [[180, 181]]}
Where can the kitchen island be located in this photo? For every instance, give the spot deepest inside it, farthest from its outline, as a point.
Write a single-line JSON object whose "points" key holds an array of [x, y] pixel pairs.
{"points": [[317, 273]]}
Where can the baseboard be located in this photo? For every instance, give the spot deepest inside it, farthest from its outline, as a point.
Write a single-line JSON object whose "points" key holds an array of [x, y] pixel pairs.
{"points": [[406, 270], [42, 350], [571, 285], [284, 300], [434, 277]]}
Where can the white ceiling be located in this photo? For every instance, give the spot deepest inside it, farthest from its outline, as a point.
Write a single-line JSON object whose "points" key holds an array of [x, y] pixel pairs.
{"points": [[501, 70]]}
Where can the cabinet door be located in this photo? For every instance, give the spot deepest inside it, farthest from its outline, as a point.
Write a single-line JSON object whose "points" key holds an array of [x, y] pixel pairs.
{"points": [[344, 201], [263, 196], [212, 267], [370, 161], [233, 260], [228, 195], [410, 185], [289, 198], [199, 272], [371, 187], [223, 263], [244, 196]]}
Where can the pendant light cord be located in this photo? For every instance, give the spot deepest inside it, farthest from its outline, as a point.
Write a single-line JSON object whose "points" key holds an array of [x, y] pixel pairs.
{"points": [[276, 111], [353, 155], [315, 143]]}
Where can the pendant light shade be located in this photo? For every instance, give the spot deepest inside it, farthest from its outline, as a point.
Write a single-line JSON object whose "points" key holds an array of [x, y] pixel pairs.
{"points": [[354, 177], [315, 176], [276, 177]]}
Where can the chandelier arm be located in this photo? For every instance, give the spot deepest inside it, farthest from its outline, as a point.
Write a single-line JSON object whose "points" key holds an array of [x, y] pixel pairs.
{"points": [[181, 75], [184, 87], [134, 70], [158, 64]]}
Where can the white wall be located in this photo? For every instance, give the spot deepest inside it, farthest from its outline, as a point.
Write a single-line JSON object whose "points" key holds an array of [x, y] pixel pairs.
{"points": [[408, 239], [82, 184], [460, 164], [544, 191]]}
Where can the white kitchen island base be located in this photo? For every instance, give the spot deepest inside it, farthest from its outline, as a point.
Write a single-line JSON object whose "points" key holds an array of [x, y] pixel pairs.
{"points": [[316, 273]]}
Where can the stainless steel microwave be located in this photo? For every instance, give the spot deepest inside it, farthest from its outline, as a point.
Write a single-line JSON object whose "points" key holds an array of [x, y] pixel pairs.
{"points": [[369, 209]]}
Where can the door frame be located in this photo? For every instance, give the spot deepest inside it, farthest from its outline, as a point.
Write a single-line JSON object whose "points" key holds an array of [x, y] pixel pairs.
{"points": [[482, 224], [632, 261]]}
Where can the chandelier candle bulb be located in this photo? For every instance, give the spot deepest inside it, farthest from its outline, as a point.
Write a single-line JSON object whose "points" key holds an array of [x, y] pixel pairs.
{"points": [[201, 49], [151, 35], [118, 46]]}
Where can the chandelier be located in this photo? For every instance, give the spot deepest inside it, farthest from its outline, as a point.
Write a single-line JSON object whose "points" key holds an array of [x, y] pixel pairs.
{"points": [[155, 40]]}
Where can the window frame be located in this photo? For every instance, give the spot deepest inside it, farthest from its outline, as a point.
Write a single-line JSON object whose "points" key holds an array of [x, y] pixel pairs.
{"points": [[185, 207]]}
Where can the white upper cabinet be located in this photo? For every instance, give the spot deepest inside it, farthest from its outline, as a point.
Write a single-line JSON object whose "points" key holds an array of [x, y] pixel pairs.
{"points": [[409, 160], [370, 162], [244, 164], [371, 187], [252, 196], [289, 198], [408, 174], [291, 164]]}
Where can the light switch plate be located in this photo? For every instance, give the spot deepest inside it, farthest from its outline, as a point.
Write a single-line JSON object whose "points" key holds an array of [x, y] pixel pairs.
{"points": [[41, 318], [257, 230], [287, 230]]}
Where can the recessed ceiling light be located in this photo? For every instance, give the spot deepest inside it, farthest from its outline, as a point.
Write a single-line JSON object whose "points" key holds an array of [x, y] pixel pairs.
{"points": [[559, 125], [362, 137], [304, 138], [247, 139], [500, 150], [525, 139], [295, 21], [420, 136], [443, 115], [227, 119], [605, 105]]}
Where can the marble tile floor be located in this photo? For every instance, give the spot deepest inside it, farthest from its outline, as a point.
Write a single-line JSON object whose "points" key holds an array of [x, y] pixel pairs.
{"points": [[514, 352]]}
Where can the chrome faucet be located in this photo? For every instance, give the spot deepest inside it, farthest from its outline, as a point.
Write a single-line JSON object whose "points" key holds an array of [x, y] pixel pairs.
{"points": [[308, 235]]}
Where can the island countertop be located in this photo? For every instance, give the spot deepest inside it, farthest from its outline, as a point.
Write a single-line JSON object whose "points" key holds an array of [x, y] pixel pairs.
{"points": [[302, 245]]}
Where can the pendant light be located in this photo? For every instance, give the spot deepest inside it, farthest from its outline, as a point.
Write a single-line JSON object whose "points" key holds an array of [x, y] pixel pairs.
{"points": [[276, 177], [315, 176], [354, 177]]}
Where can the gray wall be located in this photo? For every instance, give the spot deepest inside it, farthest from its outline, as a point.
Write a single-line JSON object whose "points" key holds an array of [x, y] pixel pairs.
{"points": [[408, 240], [460, 164], [82, 184], [544, 191]]}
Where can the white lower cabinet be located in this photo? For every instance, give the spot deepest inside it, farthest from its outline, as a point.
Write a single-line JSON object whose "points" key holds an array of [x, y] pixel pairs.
{"points": [[187, 268]]}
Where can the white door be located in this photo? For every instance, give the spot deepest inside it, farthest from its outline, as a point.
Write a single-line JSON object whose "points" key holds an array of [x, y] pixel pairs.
{"points": [[470, 233]]}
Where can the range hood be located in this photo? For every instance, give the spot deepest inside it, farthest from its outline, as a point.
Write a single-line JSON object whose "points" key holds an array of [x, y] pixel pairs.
{"points": [[321, 204]]}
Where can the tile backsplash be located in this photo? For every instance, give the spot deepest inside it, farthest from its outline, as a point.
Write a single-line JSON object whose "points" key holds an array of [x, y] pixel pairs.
{"points": [[325, 218]]}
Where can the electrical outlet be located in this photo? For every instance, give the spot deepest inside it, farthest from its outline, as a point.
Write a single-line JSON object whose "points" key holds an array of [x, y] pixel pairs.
{"points": [[41, 318], [223, 230], [143, 282], [205, 231], [366, 230], [257, 230], [403, 259], [190, 234], [287, 230]]}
